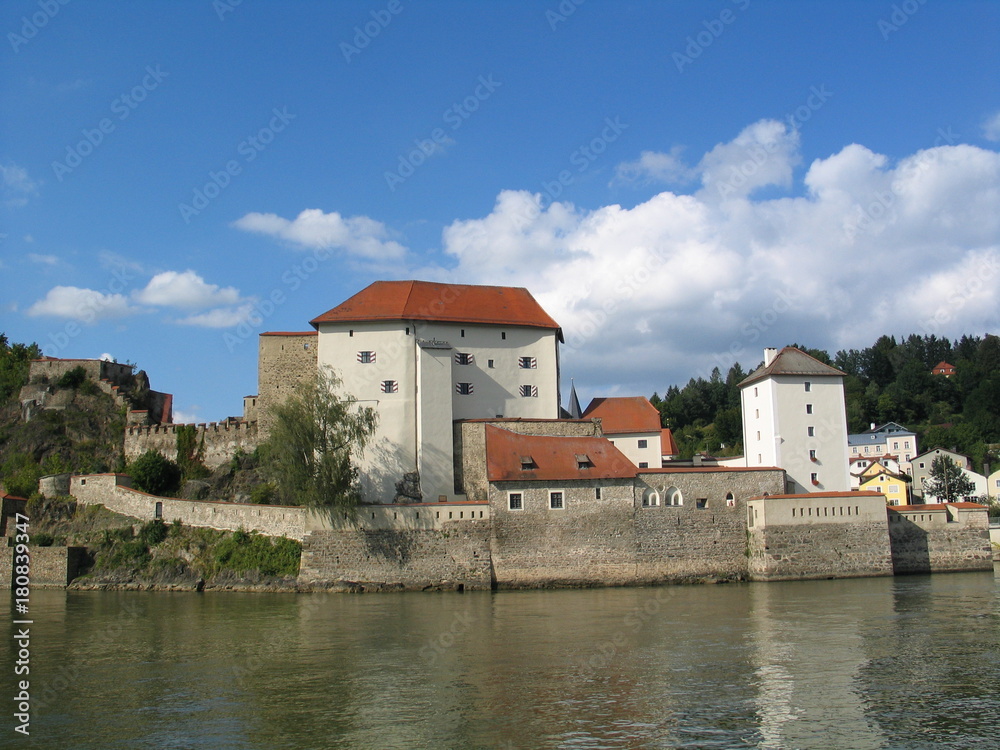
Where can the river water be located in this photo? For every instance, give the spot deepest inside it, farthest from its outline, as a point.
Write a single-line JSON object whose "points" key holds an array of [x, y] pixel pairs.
{"points": [[874, 663]]}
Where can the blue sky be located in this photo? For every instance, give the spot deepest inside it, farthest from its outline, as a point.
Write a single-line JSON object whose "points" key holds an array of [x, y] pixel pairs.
{"points": [[679, 184]]}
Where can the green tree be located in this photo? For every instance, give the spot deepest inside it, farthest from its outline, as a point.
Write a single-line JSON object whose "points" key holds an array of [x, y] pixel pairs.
{"points": [[948, 482], [152, 472], [315, 433], [15, 360]]}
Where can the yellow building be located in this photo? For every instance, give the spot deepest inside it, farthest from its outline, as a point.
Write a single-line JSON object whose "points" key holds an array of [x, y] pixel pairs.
{"points": [[877, 478]]}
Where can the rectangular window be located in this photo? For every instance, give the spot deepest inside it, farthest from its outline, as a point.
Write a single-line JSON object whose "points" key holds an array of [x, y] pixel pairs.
{"points": [[814, 478], [527, 363], [921, 464], [755, 391], [809, 408], [464, 389], [529, 391], [503, 335], [757, 413], [758, 434], [489, 363], [809, 386], [597, 493], [515, 501], [555, 500], [366, 358], [811, 431], [812, 455], [895, 445], [644, 464], [463, 333], [643, 443], [463, 358], [390, 386]]}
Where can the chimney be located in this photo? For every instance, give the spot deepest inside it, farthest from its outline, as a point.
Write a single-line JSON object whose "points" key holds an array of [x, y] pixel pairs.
{"points": [[769, 354], [872, 428]]}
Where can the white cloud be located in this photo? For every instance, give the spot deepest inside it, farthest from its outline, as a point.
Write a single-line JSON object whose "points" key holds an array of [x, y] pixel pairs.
{"points": [[223, 317], [185, 290], [45, 260], [357, 235], [991, 128], [86, 305], [17, 185], [186, 416], [654, 166], [107, 357], [653, 294]]}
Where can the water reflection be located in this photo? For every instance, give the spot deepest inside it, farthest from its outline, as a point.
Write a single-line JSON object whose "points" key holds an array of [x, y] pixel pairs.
{"points": [[907, 662]]}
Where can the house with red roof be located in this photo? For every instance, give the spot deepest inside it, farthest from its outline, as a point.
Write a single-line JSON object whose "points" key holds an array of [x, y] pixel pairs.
{"points": [[943, 368], [632, 423]]}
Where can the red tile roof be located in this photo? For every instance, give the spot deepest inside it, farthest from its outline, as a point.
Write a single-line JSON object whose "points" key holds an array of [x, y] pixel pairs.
{"points": [[552, 458], [455, 303], [668, 446], [942, 368], [624, 414]]}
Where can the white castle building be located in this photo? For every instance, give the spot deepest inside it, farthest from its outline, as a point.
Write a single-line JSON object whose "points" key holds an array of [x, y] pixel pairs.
{"points": [[795, 417], [427, 354]]}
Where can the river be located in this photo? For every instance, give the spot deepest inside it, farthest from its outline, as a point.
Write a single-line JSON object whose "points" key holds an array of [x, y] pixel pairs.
{"points": [[908, 662]]}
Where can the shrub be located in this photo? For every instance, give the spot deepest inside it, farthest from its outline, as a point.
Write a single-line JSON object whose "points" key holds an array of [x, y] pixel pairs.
{"points": [[42, 539], [155, 474], [243, 552], [20, 474], [72, 378], [153, 532], [263, 494]]}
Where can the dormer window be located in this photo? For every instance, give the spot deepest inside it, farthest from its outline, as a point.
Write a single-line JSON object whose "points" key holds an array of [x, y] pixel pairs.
{"points": [[528, 463], [583, 461]]}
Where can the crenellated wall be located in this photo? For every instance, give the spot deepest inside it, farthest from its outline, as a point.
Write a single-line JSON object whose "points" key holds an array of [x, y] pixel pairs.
{"points": [[221, 440], [937, 538]]}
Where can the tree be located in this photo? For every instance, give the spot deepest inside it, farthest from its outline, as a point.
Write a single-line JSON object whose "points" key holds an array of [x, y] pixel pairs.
{"points": [[15, 360], [314, 436], [948, 483], [152, 472]]}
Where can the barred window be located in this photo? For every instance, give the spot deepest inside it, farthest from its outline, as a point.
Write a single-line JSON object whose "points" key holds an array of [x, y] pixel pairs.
{"points": [[515, 501], [529, 391], [527, 363], [555, 500], [366, 358], [390, 386], [464, 358], [465, 389]]}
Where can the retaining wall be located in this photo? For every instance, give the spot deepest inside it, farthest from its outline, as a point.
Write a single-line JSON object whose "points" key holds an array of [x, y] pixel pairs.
{"points": [[939, 538], [221, 440]]}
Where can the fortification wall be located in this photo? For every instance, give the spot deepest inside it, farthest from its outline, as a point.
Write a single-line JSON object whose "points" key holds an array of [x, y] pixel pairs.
{"points": [[842, 535], [457, 555], [939, 539], [221, 440], [284, 360], [115, 493], [51, 567], [96, 369]]}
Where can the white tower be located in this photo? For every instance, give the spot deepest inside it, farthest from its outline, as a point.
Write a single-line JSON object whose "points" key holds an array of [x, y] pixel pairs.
{"points": [[795, 418]]}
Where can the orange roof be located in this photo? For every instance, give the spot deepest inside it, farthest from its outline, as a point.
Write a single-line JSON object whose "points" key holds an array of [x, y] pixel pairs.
{"points": [[706, 469], [668, 446], [823, 494], [552, 458], [943, 366], [624, 414], [939, 506], [289, 333], [455, 303]]}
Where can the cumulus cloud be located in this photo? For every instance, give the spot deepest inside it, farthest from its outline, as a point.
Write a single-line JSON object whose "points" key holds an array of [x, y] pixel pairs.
{"points": [[667, 289], [186, 290], [223, 317], [86, 305], [355, 235], [991, 128], [45, 260]]}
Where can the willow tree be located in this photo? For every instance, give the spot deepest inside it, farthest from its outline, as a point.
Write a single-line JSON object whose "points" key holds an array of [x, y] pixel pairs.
{"points": [[314, 435]]}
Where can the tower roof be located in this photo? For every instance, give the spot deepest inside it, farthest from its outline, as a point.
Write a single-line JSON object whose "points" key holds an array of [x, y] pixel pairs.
{"points": [[453, 303], [792, 361]]}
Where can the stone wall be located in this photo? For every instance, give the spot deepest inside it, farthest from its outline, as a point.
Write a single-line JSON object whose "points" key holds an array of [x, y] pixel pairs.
{"points": [[96, 369], [115, 493], [221, 440], [470, 446], [51, 567], [939, 538], [284, 360], [455, 556]]}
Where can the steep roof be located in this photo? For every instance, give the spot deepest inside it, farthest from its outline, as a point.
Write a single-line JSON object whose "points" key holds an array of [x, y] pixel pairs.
{"points": [[622, 414], [792, 361], [514, 457], [454, 303], [668, 446]]}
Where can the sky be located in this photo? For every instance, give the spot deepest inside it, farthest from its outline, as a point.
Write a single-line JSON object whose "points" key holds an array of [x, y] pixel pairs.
{"points": [[679, 184]]}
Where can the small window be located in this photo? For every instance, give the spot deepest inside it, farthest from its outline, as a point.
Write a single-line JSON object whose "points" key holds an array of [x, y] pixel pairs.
{"points": [[756, 413], [528, 463], [921, 464], [489, 363], [808, 386], [755, 391], [811, 431], [809, 408], [651, 498], [730, 500], [464, 358], [643, 443], [701, 502], [529, 391], [463, 389], [503, 335], [644, 464], [812, 455], [583, 461], [515, 501], [463, 333], [390, 386], [814, 478], [527, 363], [758, 434], [366, 357], [158, 512], [597, 493], [556, 500], [351, 333]]}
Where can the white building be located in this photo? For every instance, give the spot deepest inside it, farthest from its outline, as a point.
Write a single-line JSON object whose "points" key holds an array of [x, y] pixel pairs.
{"points": [[921, 473], [795, 418], [425, 355], [633, 425], [890, 439]]}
